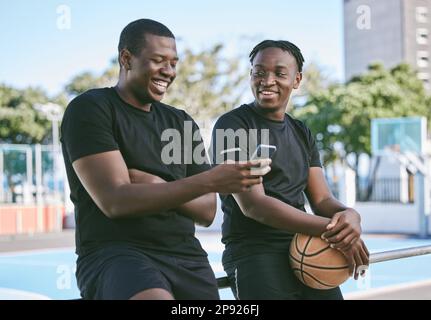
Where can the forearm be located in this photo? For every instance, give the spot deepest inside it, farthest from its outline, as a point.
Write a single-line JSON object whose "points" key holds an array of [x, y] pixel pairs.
{"points": [[202, 209], [328, 207], [143, 199], [277, 214]]}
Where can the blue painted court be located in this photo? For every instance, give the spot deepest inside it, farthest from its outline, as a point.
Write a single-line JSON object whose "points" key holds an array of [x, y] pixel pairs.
{"points": [[50, 273]]}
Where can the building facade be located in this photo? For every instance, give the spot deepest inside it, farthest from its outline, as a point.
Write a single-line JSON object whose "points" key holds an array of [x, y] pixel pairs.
{"points": [[390, 32]]}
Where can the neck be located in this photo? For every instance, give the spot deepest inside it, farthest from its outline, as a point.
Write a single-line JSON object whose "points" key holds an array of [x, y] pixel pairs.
{"points": [[128, 96], [271, 114]]}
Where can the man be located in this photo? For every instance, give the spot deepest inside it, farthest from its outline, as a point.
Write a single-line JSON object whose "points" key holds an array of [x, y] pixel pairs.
{"points": [[135, 211], [259, 225]]}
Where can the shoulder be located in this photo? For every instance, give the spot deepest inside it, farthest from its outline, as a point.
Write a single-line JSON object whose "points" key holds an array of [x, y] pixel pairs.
{"points": [[302, 131], [237, 116], [92, 106], [171, 111], [298, 124], [94, 99]]}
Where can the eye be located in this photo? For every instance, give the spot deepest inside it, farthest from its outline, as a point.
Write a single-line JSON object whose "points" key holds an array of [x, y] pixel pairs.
{"points": [[157, 60], [281, 74], [259, 73]]}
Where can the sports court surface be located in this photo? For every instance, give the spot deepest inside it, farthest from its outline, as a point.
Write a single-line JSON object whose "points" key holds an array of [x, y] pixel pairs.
{"points": [[49, 273]]}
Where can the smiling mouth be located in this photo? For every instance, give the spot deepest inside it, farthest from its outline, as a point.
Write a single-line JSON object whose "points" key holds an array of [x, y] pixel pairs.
{"points": [[161, 85], [268, 94]]}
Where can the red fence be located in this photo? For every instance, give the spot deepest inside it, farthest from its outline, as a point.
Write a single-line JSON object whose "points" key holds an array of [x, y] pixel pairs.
{"points": [[20, 219]]}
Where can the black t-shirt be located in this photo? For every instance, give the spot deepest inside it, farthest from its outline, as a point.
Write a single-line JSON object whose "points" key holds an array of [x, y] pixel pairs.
{"points": [[99, 121], [287, 180]]}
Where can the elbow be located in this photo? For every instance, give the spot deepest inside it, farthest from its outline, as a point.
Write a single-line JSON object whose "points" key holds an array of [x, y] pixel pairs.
{"points": [[254, 214], [209, 216], [207, 221], [254, 211], [112, 210], [251, 212]]}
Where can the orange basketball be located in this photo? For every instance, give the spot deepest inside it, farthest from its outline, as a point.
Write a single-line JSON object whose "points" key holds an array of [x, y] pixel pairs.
{"points": [[316, 264]]}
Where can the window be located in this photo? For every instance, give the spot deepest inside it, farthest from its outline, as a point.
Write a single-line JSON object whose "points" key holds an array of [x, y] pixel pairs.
{"points": [[422, 59], [425, 77], [422, 36], [422, 14]]}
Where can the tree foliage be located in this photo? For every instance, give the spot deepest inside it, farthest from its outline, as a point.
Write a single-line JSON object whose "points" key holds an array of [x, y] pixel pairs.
{"points": [[19, 121], [342, 113]]}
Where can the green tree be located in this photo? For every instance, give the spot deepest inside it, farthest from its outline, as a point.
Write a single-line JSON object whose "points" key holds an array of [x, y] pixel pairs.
{"points": [[19, 121], [342, 113]]}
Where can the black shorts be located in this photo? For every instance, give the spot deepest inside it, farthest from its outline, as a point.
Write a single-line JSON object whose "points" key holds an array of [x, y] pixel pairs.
{"points": [[269, 276], [120, 272]]}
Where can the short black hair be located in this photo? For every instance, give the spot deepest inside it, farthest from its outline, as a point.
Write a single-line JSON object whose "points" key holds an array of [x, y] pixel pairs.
{"points": [[132, 37], [282, 44]]}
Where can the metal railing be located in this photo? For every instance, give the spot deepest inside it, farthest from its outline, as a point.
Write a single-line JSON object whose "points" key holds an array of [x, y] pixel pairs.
{"points": [[223, 282], [385, 190]]}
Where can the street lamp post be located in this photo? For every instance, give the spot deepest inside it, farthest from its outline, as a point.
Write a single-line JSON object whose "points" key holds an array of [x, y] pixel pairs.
{"points": [[53, 112]]}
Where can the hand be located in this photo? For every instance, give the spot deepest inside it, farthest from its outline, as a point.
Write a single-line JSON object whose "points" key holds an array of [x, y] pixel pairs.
{"points": [[138, 176], [344, 229], [358, 258], [236, 177]]}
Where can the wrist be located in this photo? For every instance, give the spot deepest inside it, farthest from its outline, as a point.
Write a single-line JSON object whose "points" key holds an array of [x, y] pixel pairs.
{"points": [[354, 214], [204, 181]]}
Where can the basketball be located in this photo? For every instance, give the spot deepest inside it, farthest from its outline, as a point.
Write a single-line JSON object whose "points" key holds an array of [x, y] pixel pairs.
{"points": [[316, 264]]}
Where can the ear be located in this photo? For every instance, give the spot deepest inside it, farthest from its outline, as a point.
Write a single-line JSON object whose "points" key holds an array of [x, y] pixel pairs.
{"points": [[251, 72], [298, 79], [125, 59]]}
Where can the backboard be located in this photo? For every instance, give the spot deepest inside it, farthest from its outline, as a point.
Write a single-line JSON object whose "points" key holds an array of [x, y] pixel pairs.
{"points": [[407, 134]]}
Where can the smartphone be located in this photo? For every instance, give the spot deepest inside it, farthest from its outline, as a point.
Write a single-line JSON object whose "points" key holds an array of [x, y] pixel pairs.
{"points": [[263, 151]]}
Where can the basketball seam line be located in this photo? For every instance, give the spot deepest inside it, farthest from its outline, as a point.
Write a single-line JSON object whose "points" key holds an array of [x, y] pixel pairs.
{"points": [[311, 254], [318, 267], [315, 279], [302, 256]]}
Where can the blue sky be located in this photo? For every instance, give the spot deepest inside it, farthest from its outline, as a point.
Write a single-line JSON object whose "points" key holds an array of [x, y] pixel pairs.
{"points": [[36, 52]]}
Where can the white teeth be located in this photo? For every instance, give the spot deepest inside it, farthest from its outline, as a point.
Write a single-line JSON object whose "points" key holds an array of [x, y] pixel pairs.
{"points": [[161, 84], [267, 93]]}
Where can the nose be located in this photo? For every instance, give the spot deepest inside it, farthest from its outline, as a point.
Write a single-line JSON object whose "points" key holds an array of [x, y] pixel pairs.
{"points": [[268, 79], [168, 70]]}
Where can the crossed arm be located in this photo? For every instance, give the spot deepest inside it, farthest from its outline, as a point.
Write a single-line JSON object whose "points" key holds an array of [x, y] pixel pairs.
{"points": [[106, 178]]}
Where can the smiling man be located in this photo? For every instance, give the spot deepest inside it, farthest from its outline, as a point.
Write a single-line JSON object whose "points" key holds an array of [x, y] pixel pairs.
{"points": [[258, 225], [135, 213]]}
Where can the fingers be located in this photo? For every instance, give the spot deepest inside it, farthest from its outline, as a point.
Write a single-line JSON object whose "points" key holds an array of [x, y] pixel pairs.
{"points": [[251, 182], [261, 171], [351, 264], [358, 263], [365, 255], [338, 227], [346, 243], [334, 220], [337, 238], [365, 261], [258, 163]]}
